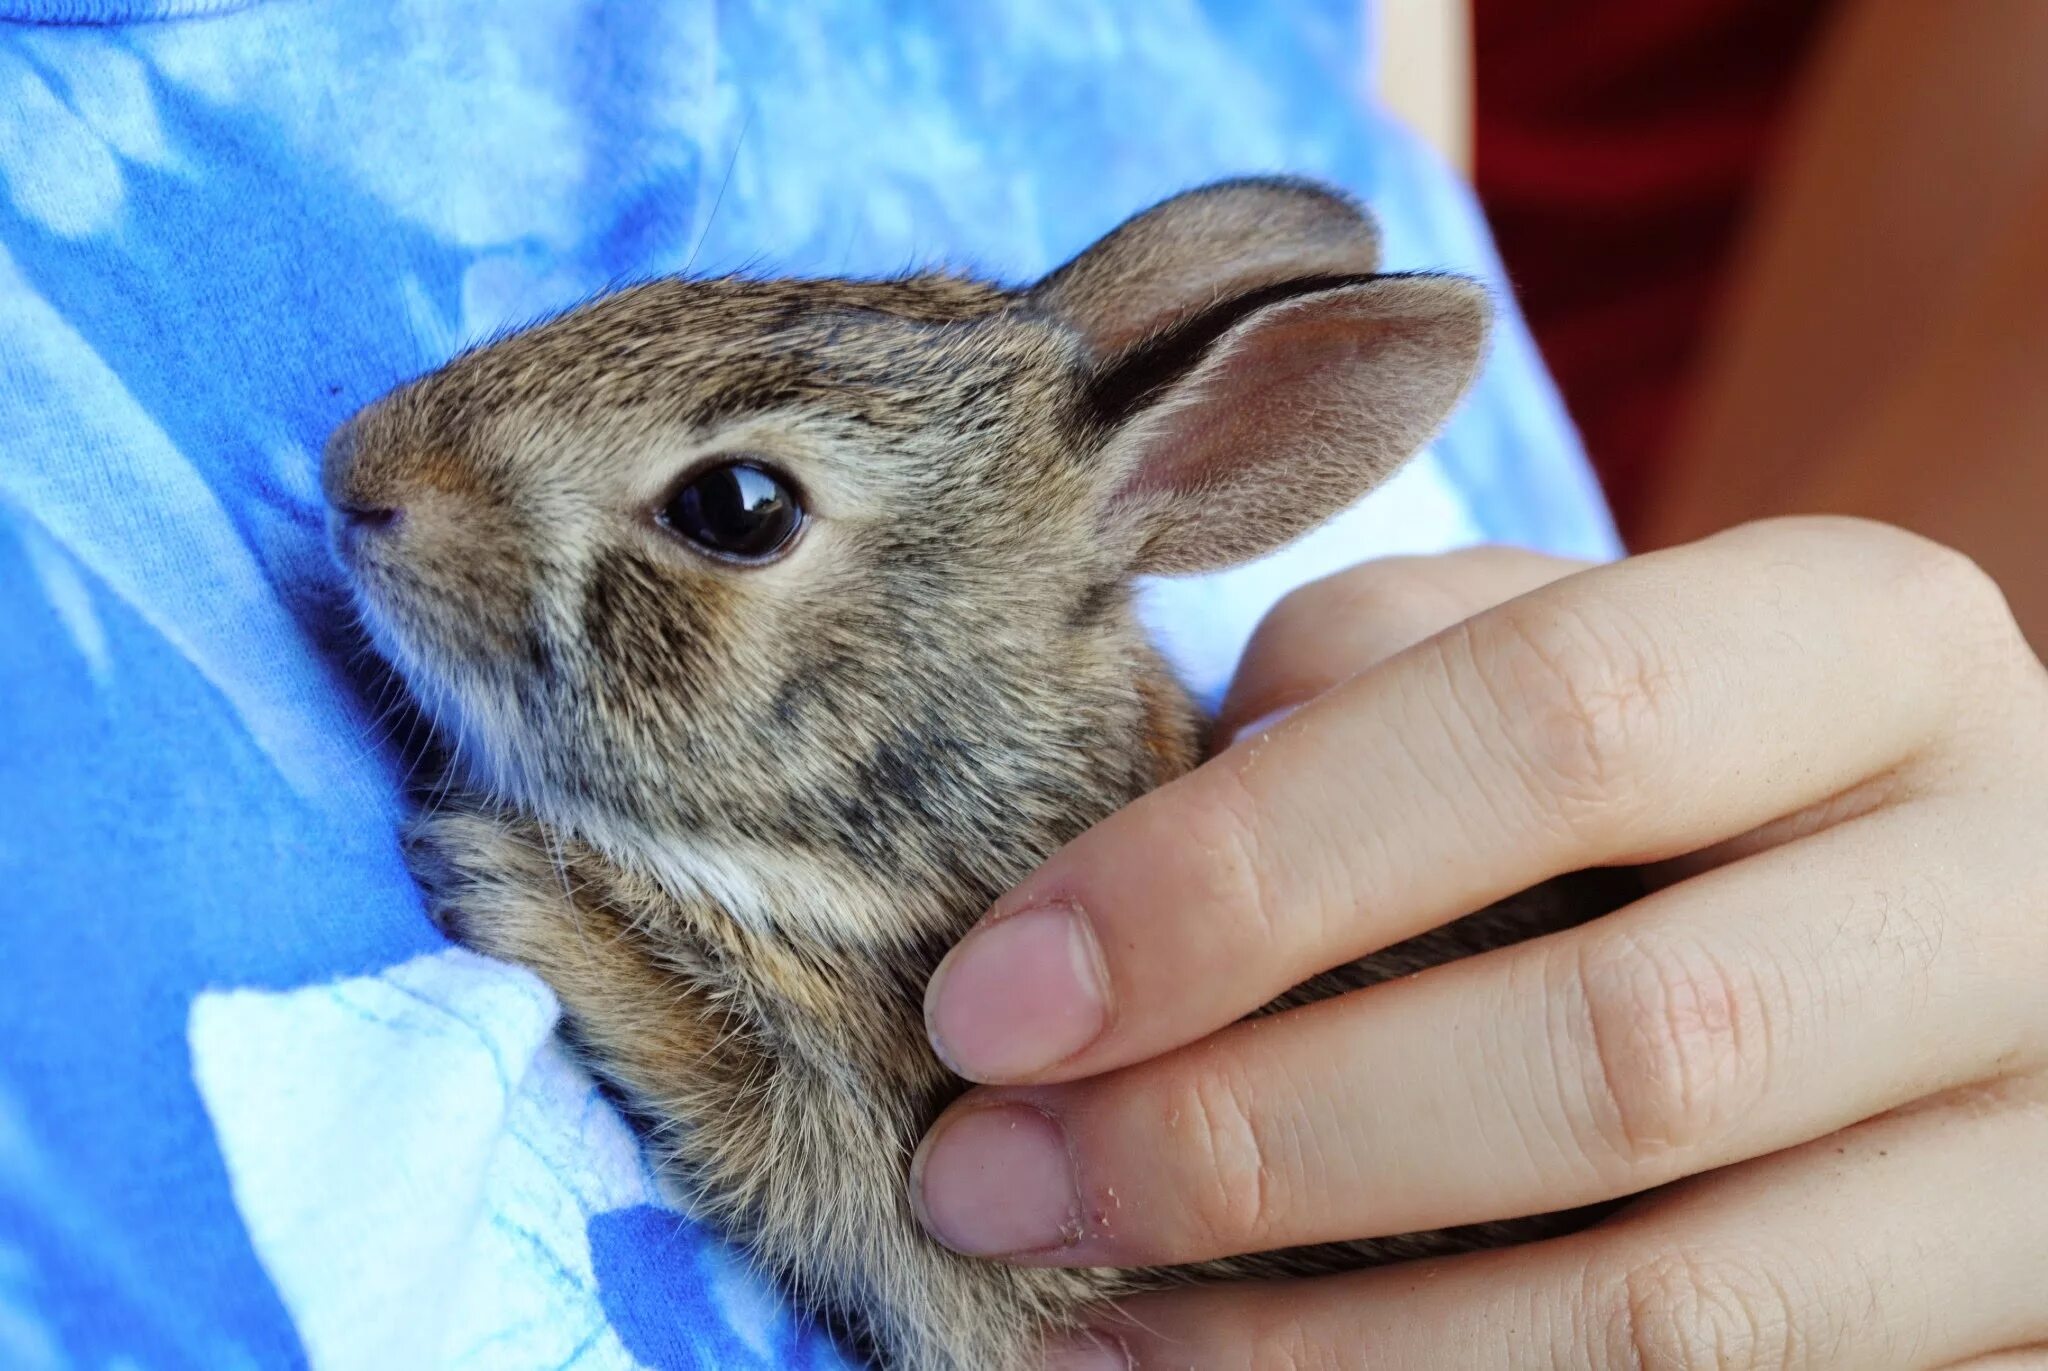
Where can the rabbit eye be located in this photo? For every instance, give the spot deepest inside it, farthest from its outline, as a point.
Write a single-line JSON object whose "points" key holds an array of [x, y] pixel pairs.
{"points": [[739, 511]]}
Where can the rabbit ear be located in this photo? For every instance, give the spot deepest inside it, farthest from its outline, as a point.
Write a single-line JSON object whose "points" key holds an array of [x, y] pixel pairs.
{"points": [[1253, 421], [1180, 257]]}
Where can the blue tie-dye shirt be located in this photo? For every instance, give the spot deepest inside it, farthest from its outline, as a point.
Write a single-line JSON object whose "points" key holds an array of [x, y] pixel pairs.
{"points": [[254, 1111]]}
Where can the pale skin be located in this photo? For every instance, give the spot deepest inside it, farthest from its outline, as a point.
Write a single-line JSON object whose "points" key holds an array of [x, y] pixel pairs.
{"points": [[1880, 342], [1816, 1053], [1818, 1049], [1885, 332]]}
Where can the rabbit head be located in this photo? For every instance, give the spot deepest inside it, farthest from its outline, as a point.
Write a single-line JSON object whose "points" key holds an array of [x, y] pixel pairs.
{"points": [[738, 577]]}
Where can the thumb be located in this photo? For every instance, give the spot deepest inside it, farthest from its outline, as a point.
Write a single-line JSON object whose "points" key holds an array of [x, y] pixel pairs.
{"points": [[1330, 630]]}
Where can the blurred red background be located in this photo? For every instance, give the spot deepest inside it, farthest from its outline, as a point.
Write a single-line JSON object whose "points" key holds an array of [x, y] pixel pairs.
{"points": [[1617, 145]]}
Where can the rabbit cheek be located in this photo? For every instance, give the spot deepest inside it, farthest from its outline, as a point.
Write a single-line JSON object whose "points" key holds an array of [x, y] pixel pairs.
{"points": [[650, 636], [645, 684]]}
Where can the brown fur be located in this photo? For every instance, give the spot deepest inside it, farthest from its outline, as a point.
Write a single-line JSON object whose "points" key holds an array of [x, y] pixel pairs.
{"points": [[734, 816]]}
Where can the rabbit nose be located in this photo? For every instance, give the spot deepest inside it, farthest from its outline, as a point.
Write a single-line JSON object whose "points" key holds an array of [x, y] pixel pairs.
{"points": [[360, 509], [351, 491], [355, 527], [366, 517]]}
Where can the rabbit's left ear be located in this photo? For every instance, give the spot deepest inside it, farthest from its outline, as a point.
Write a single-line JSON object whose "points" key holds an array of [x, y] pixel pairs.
{"points": [[1266, 416], [1169, 263], [1247, 375]]}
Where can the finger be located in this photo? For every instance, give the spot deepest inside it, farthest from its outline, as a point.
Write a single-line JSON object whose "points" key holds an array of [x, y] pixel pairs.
{"points": [[1867, 797], [1330, 630], [1755, 1008], [2033, 1358], [1627, 713], [1910, 1243], [2005, 709]]}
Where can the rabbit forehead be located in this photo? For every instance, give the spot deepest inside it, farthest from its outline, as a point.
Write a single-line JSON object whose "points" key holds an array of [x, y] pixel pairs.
{"points": [[575, 469], [625, 394], [702, 350]]}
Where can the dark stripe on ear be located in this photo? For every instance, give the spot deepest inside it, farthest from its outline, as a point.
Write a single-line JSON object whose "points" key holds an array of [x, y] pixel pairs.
{"points": [[1125, 383]]}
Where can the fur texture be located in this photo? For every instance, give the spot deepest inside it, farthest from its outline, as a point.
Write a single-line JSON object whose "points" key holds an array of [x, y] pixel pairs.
{"points": [[735, 815]]}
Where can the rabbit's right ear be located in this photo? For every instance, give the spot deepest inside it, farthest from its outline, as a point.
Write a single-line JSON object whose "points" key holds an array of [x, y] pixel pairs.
{"points": [[1178, 258]]}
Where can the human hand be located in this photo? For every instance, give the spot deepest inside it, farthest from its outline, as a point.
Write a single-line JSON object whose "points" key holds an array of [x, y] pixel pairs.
{"points": [[1822, 1039]]}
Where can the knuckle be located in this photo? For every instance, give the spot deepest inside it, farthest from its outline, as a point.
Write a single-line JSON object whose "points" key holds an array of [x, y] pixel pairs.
{"points": [[1291, 1348], [1985, 676], [1942, 590], [1309, 605], [1966, 661], [1692, 1311], [1395, 596], [1913, 922], [1668, 1045], [1953, 591], [1228, 1180], [1383, 582], [1229, 832], [1584, 699], [1294, 617]]}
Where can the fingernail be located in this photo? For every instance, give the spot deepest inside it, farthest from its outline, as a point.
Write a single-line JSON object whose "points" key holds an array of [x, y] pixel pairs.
{"points": [[997, 1181], [1261, 724], [1020, 994], [1086, 1352]]}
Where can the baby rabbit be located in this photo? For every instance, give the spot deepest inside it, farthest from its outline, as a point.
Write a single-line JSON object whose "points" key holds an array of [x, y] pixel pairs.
{"points": [[775, 627]]}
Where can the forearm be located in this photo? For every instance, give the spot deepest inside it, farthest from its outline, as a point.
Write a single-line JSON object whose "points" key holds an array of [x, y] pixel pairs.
{"points": [[1958, 449], [1884, 350]]}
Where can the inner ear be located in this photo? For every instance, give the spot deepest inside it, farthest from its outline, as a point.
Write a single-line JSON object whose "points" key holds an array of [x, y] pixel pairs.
{"points": [[1252, 423], [1138, 375], [1175, 261]]}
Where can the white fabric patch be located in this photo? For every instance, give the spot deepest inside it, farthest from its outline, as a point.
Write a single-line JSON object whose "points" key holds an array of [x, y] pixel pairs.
{"points": [[416, 1158]]}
